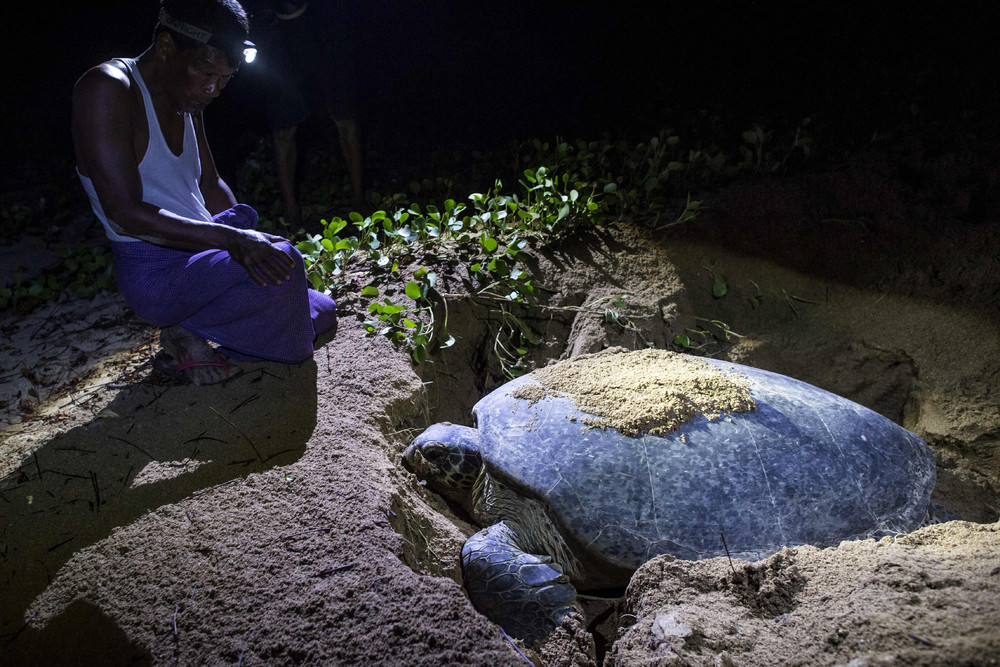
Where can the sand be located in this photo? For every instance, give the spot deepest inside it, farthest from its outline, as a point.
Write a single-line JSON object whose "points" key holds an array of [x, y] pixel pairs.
{"points": [[651, 391], [269, 521], [926, 598]]}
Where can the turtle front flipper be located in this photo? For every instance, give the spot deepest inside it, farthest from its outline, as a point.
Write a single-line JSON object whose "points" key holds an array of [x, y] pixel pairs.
{"points": [[523, 593]]}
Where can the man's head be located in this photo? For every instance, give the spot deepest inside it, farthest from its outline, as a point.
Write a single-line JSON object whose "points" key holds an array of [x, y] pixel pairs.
{"points": [[199, 44], [221, 24]]}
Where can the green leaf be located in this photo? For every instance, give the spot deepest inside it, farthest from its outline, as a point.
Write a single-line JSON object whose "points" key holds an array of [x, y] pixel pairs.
{"points": [[370, 290], [527, 332], [489, 243], [420, 354], [682, 340], [391, 309], [719, 287], [414, 291]]}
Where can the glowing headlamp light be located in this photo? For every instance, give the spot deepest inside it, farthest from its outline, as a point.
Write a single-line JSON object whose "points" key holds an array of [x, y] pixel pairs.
{"points": [[206, 37]]}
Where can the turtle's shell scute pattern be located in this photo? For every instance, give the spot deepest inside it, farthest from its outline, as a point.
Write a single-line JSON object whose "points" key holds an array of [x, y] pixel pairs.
{"points": [[806, 467]]}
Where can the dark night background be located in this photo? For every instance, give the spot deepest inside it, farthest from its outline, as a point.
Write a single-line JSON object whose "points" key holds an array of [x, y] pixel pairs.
{"points": [[434, 74]]}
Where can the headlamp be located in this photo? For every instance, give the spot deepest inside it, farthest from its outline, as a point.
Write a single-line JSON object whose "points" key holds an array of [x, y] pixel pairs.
{"points": [[206, 37]]}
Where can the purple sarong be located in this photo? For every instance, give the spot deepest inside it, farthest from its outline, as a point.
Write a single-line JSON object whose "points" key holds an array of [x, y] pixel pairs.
{"points": [[210, 294]]}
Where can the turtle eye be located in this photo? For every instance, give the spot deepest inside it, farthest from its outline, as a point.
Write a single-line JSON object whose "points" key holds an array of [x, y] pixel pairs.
{"points": [[435, 452]]}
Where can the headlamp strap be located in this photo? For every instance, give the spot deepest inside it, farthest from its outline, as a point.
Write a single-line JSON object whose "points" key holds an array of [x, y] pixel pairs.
{"points": [[186, 29], [201, 35]]}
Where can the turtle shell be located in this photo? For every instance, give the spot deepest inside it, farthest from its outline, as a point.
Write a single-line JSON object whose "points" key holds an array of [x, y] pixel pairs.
{"points": [[805, 467]]}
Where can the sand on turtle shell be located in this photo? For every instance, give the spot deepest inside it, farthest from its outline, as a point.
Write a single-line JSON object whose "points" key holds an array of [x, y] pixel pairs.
{"points": [[645, 391]]}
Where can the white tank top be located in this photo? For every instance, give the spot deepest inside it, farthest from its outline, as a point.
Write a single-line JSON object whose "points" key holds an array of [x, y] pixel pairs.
{"points": [[169, 181]]}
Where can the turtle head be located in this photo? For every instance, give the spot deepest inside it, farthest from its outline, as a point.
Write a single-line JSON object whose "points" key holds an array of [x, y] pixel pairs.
{"points": [[447, 456]]}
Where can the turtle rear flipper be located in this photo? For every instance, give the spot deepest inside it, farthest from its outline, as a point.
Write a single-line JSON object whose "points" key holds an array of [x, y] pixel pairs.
{"points": [[522, 592]]}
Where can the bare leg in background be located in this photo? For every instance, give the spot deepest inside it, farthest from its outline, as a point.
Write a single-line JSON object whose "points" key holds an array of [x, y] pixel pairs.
{"points": [[286, 156]]}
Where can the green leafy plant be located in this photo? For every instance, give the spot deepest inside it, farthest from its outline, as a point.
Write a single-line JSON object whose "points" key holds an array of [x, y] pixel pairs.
{"points": [[402, 324], [791, 300], [579, 183], [762, 153], [491, 233], [16, 218], [85, 271], [710, 338], [512, 342], [757, 298], [720, 286], [688, 215], [89, 270]]}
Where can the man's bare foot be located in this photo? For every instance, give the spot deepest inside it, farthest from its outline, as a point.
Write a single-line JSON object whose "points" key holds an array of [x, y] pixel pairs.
{"points": [[194, 358]]}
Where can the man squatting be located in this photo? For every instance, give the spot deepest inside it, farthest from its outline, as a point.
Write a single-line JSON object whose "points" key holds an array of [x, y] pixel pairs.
{"points": [[188, 258]]}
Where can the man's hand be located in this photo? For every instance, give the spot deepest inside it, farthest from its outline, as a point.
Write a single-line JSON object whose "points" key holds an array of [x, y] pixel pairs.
{"points": [[256, 252]]}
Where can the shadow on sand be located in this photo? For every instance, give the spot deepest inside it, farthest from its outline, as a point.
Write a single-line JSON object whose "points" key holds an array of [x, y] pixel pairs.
{"points": [[151, 446]]}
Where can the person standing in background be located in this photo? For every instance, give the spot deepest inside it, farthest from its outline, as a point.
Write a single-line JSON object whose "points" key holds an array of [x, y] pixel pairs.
{"points": [[308, 66]]}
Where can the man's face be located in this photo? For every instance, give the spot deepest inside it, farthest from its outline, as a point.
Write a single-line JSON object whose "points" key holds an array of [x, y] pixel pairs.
{"points": [[197, 77]]}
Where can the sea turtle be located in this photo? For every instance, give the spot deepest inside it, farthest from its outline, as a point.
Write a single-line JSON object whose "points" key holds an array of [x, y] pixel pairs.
{"points": [[692, 457]]}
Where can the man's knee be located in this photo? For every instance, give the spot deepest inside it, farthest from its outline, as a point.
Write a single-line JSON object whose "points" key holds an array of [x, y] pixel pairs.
{"points": [[289, 249]]}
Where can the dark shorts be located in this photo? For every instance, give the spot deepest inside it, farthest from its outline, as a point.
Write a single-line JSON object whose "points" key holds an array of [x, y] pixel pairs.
{"points": [[308, 64]]}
